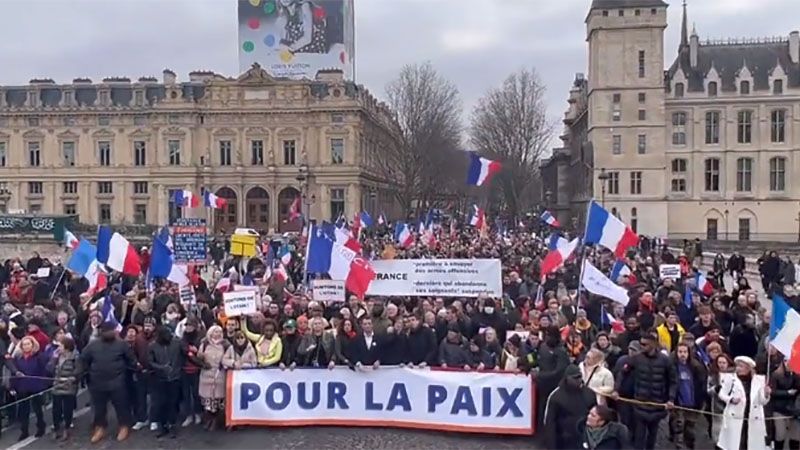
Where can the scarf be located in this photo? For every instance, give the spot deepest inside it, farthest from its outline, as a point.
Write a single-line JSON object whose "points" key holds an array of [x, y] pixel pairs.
{"points": [[594, 436]]}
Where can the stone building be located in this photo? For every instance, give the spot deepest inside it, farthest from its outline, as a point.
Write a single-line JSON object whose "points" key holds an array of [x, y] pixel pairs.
{"points": [[115, 151], [706, 148]]}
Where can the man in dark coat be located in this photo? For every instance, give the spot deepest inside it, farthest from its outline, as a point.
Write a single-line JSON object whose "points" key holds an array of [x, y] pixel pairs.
{"points": [[107, 361], [553, 360], [166, 359], [565, 406]]}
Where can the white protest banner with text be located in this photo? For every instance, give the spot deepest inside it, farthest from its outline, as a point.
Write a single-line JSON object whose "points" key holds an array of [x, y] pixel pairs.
{"points": [[669, 271], [239, 303], [43, 272], [437, 277], [328, 290], [187, 295], [477, 402]]}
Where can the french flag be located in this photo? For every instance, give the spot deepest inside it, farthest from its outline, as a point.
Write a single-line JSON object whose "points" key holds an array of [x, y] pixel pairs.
{"points": [[554, 241], [556, 258], [285, 255], [605, 229], [162, 260], [366, 219], [295, 210], [403, 235], [481, 170], [186, 199], [429, 237], [332, 254], [83, 262], [116, 252], [70, 241], [478, 217], [608, 320], [784, 332], [382, 219], [550, 219], [210, 200], [108, 313], [703, 285], [619, 269]]}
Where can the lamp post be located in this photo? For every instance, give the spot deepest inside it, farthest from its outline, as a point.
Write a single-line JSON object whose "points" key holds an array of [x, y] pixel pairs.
{"points": [[373, 195], [603, 177], [726, 224], [303, 175]]}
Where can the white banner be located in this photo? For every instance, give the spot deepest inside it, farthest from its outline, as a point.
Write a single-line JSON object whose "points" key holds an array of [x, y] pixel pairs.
{"points": [[478, 402], [437, 277], [187, 296], [238, 303], [327, 290], [671, 271], [597, 283]]}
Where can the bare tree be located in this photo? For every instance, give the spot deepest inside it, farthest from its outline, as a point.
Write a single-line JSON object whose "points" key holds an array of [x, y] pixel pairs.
{"points": [[428, 109], [510, 124]]}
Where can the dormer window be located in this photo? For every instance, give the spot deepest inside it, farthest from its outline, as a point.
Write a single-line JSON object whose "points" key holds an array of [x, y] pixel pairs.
{"points": [[744, 88], [605, 13], [621, 13], [104, 98], [33, 99], [712, 89], [678, 90], [777, 87], [69, 98], [139, 98]]}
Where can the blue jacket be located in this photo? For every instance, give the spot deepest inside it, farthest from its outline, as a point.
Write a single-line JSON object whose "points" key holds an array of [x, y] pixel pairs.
{"points": [[35, 365]]}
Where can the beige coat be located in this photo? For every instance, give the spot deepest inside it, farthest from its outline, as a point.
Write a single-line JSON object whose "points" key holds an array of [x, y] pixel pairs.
{"points": [[233, 360], [212, 376]]}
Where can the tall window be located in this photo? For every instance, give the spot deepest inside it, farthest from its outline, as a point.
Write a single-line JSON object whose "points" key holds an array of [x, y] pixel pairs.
{"points": [[744, 229], [70, 209], [224, 153], [642, 114], [138, 97], [616, 146], [777, 174], [140, 214], [140, 153], [35, 188], [679, 128], [712, 127], [778, 125], [744, 174], [712, 89], [634, 220], [745, 127], [613, 183], [777, 87], [289, 152], [140, 187], [105, 187], [34, 154], [337, 203], [744, 87], [174, 148], [678, 90], [68, 153], [636, 183], [104, 153], [70, 187], [641, 147], [678, 181], [641, 64], [712, 229], [337, 151], [712, 174], [104, 212], [257, 153], [3, 154]]}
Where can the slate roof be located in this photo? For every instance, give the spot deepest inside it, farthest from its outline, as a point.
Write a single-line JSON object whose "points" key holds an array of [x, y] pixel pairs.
{"points": [[728, 59], [86, 94], [614, 4]]}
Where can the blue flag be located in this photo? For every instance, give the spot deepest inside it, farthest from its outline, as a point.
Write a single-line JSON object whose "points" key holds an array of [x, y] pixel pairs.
{"points": [[320, 248], [780, 309], [366, 219], [82, 257]]}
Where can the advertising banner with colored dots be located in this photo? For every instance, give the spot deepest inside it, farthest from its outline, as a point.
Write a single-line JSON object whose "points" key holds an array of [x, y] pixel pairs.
{"points": [[297, 38]]}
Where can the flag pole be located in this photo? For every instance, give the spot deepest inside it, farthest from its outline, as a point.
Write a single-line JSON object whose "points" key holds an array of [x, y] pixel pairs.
{"points": [[55, 288]]}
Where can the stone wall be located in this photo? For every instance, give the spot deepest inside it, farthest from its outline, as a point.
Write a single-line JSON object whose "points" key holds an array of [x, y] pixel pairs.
{"points": [[24, 246]]}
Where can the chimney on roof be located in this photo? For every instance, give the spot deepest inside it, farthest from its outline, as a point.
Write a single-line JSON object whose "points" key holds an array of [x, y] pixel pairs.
{"points": [[794, 46], [169, 77], [694, 48]]}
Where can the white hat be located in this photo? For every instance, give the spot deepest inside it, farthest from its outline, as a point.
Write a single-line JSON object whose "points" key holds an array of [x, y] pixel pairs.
{"points": [[746, 360]]}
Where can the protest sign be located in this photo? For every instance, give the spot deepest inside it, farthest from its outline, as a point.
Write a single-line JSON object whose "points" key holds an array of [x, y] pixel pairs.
{"points": [[523, 335], [189, 240], [669, 271], [187, 296], [239, 303], [43, 272], [477, 402], [437, 277], [328, 290]]}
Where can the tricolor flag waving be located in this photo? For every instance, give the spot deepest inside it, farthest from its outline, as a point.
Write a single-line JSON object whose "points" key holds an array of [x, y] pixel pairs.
{"points": [[70, 241], [478, 217], [481, 170], [403, 235], [211, 200], [328, 252], [185, 199], [550, 219], [784, 332], [116, 252], [703, 285], [605, 229], [556, 258]]}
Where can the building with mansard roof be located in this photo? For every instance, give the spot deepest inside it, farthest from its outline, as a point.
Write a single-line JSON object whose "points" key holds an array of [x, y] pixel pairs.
{"points": [[706, 148], [115, 151]]}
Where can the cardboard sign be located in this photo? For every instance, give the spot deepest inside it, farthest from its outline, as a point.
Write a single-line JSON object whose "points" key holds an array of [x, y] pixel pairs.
{"points": [[187, 296], [328, 290], [239, 303], [43, 272], [669, 271], [523, 335]]}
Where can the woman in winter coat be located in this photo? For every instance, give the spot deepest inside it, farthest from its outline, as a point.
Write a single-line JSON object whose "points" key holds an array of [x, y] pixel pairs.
{"points": [[344, 344], [240, 355], [745, 394], [720, 367], [596, 376], [212, 375], [30, 381], [65, 369], [600, 432]]}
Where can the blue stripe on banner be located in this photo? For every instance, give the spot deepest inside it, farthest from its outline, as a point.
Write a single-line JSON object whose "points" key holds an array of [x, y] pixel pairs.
{"points": [[595, 223]]}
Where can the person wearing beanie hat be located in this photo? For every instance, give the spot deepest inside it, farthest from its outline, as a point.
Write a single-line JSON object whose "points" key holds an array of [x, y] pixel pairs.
{"points": [[565, 406], [453, 351]]}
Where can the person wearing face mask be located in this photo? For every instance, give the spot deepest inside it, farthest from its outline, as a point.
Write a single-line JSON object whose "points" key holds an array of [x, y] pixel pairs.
{"points": [[166, 358], [191, 407], [107, 360], [565, 406], [490, 317], [553, 360]]}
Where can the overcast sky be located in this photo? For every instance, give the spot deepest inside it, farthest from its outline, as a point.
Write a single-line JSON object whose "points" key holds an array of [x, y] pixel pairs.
{"points": [[475, 43]]}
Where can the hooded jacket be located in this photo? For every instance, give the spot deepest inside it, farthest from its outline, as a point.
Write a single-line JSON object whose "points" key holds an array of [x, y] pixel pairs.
{"points": [[564, 407], [166, 358]]}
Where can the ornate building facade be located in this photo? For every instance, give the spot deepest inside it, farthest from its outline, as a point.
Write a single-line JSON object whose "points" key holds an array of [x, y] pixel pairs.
{"points": [[115, 152], [708, 147]]}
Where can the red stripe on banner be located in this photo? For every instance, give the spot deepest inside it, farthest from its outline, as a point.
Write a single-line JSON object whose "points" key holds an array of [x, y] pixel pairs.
{"points": [[379, 423]]}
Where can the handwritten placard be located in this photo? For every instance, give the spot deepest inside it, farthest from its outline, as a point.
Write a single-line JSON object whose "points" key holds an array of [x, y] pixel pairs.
{"points": [[189, 237]]}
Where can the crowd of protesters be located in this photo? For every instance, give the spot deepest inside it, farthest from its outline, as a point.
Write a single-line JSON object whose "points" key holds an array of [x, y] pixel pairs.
{"points": [[606, 374]]}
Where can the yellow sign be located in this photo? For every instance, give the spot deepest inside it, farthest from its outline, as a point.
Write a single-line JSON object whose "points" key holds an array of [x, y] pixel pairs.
{"points": [[243, 245]]}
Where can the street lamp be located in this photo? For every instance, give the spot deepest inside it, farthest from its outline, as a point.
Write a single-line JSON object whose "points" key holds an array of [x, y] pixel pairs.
{"points": [[603, 177], [726, 224], [303, 175]]}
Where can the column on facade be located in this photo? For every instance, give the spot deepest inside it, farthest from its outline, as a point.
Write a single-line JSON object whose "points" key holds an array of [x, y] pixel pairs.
{"points": [[162, 213], [52, 200], [122, 207], [87, 212], [352, 200], [324, 202], [240, 208]]}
